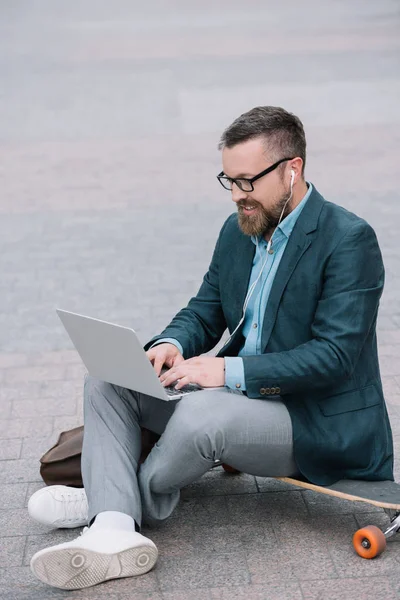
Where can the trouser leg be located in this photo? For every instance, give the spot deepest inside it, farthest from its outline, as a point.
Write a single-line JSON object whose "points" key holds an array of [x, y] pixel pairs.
{"points": [[112, 444], [253, 436]]}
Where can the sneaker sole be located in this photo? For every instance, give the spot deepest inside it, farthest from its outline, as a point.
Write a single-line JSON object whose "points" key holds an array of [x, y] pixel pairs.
{"points": [[77, 568]]}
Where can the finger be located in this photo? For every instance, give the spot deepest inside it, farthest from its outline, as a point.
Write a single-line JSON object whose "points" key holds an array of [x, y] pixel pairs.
{"points": [[177, 360], [182, 382], [151, 354], [166, 373], [168, 377], [172, 379], [158, 363]]}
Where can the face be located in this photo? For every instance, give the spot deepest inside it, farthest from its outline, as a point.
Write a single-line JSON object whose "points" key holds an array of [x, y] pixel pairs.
{"points": [[259, 211]]}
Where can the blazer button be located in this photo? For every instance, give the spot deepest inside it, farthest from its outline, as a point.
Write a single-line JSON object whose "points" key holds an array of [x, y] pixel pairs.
{"points": [[262, 391], [273, 390], [268, 391], [278, 390]]}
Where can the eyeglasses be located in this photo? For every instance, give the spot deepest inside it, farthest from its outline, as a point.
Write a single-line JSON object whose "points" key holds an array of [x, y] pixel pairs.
{"points": [[246, 185]]}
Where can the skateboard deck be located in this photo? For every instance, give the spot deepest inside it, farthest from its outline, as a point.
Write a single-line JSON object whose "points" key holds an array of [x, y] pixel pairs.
{"points": [[385, 494]]}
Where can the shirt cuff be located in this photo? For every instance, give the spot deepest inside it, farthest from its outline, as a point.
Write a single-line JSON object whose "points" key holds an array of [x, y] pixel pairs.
{"points": [[234, 373], [169, 341]]}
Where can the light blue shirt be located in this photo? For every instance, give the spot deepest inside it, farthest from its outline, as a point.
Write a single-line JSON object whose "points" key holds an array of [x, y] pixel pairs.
{"points": [[254, 317]]}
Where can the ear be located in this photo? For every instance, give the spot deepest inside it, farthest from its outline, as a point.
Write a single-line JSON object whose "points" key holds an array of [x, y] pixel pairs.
{"points": [[296, 165]]}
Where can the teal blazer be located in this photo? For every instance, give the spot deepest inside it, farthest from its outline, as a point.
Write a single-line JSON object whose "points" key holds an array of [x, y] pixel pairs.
{"points": [[318, 338]]}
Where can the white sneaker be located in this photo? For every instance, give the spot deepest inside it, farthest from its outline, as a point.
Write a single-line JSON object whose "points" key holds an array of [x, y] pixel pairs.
{"points": [[96, 556], [59, 506]]}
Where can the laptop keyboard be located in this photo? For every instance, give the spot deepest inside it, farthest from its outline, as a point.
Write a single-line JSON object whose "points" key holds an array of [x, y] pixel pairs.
{"points": [[187, 389]]}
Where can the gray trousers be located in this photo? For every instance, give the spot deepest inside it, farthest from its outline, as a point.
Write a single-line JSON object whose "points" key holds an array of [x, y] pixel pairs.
{"points": [[251, 435]]}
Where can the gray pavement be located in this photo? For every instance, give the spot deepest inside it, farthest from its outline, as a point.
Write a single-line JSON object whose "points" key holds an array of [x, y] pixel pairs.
{"points": [[110, 114]]}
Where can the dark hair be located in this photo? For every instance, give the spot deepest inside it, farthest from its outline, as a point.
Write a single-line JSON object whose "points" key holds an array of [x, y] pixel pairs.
{"points": [[282, 131]]}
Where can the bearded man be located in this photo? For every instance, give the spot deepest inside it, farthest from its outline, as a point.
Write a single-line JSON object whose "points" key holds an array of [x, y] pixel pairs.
{"points": [[296, 388]]}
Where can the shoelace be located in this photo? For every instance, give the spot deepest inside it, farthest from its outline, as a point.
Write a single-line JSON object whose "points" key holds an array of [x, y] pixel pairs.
{"points": [[74, 506]]}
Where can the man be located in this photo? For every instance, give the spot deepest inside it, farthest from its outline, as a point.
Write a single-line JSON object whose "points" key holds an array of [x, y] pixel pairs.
{"points": [[297, 281]]}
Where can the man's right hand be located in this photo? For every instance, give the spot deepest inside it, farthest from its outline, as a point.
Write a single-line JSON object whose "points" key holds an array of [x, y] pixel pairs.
{"points": [[164, 354]]}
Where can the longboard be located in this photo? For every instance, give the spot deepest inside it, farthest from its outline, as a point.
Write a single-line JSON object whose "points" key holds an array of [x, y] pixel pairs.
{"points": [[370, 541]]}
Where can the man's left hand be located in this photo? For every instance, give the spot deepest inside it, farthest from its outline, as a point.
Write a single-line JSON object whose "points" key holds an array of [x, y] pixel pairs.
{"points": [[206, 371]]}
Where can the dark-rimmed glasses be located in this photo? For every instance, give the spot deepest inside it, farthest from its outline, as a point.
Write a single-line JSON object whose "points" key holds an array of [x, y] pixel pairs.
{"points": [[246, 185]]}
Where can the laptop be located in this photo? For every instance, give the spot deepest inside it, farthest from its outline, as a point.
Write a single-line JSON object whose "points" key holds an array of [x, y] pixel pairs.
{"points": [[114, 354]]}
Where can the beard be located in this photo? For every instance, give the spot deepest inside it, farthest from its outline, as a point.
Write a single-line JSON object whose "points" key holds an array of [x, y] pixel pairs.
{"points": [[264, 220]]}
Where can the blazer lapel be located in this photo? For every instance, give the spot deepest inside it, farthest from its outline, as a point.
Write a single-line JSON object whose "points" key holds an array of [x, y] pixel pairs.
{"points": [[298, 243], [296, 246]]}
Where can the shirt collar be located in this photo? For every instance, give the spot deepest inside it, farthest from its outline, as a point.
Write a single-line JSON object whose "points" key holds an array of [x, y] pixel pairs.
{"points": [[287, 224]]}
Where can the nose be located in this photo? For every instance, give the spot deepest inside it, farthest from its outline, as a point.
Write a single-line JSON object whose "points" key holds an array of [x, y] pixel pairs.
{"points": [[237, 194]]}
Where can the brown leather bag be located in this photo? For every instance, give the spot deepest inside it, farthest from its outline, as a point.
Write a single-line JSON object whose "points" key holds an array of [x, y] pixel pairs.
{"points": [[61, 465]]}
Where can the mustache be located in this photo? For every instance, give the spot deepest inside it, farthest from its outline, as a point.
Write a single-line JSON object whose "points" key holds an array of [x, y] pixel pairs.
{"points": [[242, 203]]}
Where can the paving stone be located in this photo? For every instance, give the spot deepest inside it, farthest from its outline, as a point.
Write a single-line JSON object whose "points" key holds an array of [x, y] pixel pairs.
{"points": [[32, 488], [349, 564], [44, 406], [395, 584], [173, 538], [5, 409], [13, 495], [390, 387], [22, 391], [316, 531], [208, 511], [270, 591], [288, 562], [19, 583], [196, 594], [10, 449], [253, 509], [233, 537], [12, 360], [17, 522], [66, 423], [76, 372], [12, 551], [141, 596], [203, 570], [393, 400], [220, 483], [37, 446], [62, 390], [28, 374], [347, 589], [62, 357], [19, 471], [18, 428]]}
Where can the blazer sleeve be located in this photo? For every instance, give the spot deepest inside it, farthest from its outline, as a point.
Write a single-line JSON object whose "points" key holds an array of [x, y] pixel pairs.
{"points": [[199, 326], [353, 284]]}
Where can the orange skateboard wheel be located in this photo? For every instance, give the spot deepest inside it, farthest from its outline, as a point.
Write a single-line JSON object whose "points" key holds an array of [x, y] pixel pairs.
{"points": [[369, 541], [229, 469]]}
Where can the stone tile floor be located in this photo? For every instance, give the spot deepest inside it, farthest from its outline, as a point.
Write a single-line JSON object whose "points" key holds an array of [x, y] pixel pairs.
{"points": [[110, 118]]}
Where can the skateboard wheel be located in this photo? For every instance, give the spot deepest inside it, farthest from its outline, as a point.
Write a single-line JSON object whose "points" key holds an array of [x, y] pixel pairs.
{"points": [[369, 541], [229, 469]]}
